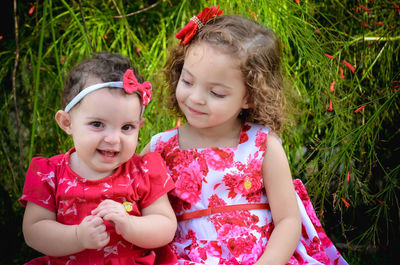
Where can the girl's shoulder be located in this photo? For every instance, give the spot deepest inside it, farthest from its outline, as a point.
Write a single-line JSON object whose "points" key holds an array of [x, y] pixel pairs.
{"points": [[253, 128], [160, 139], [166, 134]]}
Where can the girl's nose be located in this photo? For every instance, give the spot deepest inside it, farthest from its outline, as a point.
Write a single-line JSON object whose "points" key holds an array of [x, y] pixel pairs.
{"points": [[197, 96], [112, 137]]}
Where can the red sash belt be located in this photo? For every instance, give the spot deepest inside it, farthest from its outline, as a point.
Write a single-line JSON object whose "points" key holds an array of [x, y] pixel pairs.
{"points": [[222, 209]]}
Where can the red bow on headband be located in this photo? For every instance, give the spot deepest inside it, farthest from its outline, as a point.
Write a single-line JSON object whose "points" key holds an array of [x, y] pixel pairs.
{"points": [[188, 31], [130, 84]]}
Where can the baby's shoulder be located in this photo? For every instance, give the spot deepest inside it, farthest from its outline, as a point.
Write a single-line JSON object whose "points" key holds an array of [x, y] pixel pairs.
{"points": [[148, 162], [43, 164], [149, 168]]}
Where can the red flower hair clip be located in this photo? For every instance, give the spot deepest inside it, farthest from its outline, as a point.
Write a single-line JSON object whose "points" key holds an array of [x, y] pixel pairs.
{"points": [[131, 85], [196, 22]]}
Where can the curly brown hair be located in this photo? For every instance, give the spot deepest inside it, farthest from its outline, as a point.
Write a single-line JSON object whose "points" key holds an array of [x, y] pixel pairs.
{"points": [[259, 50], [105, 66]]}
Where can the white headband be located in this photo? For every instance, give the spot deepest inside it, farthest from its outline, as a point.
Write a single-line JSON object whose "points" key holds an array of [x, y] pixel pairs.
{"points": [[129, 84], [88, 90]]}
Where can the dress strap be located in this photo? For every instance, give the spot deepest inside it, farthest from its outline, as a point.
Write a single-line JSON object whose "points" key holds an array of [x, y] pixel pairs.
{"points": [[222, 209]]}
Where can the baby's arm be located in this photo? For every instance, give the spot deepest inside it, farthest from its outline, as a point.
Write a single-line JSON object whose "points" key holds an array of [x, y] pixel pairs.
{"points": [[282, 199], [43, 233], [155, 228]]}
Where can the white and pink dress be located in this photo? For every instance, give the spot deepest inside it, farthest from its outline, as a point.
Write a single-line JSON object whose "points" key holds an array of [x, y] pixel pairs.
{"points": [[222, 208]]}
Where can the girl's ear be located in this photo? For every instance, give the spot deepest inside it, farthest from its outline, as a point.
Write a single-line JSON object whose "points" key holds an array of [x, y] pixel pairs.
{"points": [[64, 121], [245, 104]]}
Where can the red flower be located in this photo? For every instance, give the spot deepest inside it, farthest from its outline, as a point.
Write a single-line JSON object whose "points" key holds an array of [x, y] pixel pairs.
{"points": [[253, 14], [397, 8], [341, 73], [330, 105], [349, 66], [329, 56], [332, 88], [31, 10], [348, 176], [366, 9], [178, 123], [360, 108], [377, 23], [345, 202], [196, 22], [317, 31], [131, 85]]}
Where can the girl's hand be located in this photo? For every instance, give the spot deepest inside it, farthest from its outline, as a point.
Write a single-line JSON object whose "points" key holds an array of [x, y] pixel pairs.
{"points": [[91, 233], [114, 212]]}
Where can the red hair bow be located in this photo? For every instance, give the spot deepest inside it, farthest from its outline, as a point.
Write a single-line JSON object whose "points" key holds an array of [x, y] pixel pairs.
{"points": [[131, 85], [196, 22]]}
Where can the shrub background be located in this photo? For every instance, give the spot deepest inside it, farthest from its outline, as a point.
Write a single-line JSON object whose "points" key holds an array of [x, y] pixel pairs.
{"points": [[341, 59]]}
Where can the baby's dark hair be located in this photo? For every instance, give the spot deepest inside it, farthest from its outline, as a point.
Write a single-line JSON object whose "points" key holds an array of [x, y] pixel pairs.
{"points": [[105, 66], [259, 51]]}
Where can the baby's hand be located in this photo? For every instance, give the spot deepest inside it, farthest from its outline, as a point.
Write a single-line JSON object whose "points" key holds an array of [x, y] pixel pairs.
{"points": [[91, 232], [115, 212]]}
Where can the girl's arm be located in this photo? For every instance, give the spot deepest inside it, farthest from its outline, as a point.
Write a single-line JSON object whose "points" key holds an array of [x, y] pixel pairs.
{"points": [[155, 228], [282, 199], [43, 233]]}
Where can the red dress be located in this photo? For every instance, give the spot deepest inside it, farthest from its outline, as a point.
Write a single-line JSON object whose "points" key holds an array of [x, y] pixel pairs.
{"points": [[52, 184]]}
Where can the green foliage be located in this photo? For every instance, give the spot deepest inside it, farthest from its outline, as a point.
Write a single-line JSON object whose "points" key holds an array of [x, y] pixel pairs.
{"points": [[342, 156]]}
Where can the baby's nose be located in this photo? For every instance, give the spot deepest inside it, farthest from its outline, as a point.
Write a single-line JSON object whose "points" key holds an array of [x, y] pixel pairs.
{"points": [[112, 137]]}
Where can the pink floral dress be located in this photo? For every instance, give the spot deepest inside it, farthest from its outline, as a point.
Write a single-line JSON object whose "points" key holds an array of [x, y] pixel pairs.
{"points": [[51, 183], [208, 181]]}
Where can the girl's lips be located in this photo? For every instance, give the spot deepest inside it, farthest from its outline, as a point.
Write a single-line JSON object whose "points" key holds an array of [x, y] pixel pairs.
{"points": [[195, 111]]}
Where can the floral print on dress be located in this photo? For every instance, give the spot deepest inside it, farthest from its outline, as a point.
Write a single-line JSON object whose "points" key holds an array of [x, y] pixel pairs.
{"points": [[243, 182], [217, 177]]}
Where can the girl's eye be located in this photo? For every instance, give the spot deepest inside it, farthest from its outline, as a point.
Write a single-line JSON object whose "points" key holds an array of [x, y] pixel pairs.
{"points": [[96, 124], [127, 127], [185, 82], [217, 94]]}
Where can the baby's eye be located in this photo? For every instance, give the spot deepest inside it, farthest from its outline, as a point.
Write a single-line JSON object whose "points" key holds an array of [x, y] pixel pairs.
{"points": [[96, 124], [128, 127]]}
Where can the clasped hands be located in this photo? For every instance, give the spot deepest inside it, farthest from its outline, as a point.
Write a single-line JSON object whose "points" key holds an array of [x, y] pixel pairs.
{"points": [[91, 232]]}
